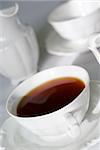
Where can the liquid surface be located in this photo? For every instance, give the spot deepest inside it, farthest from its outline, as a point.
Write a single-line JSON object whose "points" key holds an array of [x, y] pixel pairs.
{"points": [[49, 97]]}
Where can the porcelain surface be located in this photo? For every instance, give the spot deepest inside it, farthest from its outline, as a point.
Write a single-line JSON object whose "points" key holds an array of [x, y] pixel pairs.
{"points": [[16, 137], [94, 45], [76, 19], [50, 125], [18, 46], [56, 45]]}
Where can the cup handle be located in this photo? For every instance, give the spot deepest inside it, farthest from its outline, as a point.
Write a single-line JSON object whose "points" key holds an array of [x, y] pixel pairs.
{"points": [[73, 127], [96, 109], [94, 42]]}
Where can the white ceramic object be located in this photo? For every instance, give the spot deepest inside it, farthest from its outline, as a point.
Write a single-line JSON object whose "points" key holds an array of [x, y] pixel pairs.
{"points": [[56, 45], [51, 124], [94, 45], [14, 136], [74, 20], [18, 46]]}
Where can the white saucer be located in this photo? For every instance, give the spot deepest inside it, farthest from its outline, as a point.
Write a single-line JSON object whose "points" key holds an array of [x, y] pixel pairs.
{"points": [[56, 45], [15, 137]]}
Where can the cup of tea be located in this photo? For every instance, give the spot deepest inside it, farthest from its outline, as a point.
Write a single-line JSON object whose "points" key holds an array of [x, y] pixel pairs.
{"points": [[52, 103]]}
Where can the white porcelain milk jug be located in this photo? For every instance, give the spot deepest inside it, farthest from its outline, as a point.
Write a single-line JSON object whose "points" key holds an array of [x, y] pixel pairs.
{"points": [[18, 47]]}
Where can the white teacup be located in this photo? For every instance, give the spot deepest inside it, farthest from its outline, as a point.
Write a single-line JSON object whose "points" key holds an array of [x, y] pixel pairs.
{"points": [[74, 20], [64, 121]]}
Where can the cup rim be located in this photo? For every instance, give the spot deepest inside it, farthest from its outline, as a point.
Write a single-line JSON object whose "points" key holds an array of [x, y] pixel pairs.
{"points": [[74, 18], [51, 113]]}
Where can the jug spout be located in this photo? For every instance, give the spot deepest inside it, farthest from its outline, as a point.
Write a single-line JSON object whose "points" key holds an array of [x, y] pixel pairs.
{"points": [[9, 12]]}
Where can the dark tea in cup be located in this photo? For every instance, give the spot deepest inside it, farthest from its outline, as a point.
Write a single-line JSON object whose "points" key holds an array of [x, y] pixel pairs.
{"points": [[50, 96]]}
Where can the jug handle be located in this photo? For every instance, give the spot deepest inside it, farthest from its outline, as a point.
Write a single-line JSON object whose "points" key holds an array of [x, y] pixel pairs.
{"points": [[94, 40]]}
